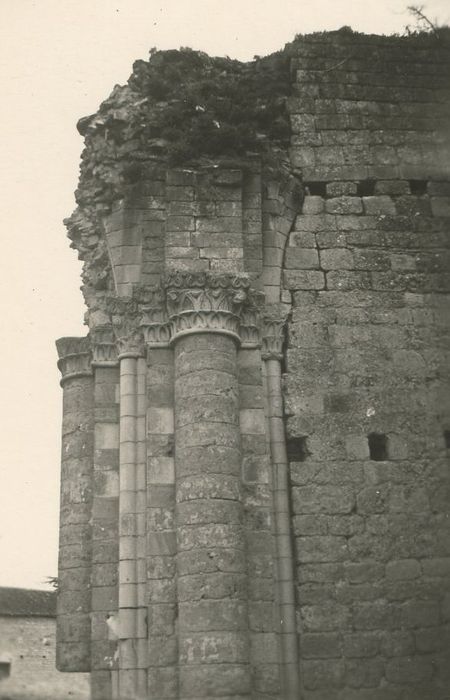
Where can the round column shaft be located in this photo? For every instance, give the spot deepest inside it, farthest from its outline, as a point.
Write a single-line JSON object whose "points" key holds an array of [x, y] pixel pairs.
{"points": [[211, 562], [73, 652]]}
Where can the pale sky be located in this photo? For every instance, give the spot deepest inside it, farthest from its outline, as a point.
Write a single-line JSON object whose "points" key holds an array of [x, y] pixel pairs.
{"points": [[58, 60]]}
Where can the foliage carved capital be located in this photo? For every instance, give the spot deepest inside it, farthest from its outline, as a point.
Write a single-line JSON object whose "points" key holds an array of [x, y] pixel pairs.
{"points": [[249, 329], [153, 322], [124, 313], [104, 350], [205, 303], [74, 358], [273, 333]]}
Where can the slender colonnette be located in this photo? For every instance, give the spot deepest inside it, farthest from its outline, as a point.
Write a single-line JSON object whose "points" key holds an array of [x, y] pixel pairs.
{"points": [[132, 630], [105, 515], [272, 346]]}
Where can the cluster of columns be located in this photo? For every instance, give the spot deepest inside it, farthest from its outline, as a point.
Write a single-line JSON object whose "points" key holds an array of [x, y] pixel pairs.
{"points": [[201, 325]]}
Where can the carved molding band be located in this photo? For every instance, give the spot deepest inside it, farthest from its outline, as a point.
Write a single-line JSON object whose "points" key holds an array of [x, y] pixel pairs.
{"points": [[104, 351], [249, 330], [249, 334], [186, 303], [204, 321], [154, 323], [74, 358], [206, 280], [156, 335]]}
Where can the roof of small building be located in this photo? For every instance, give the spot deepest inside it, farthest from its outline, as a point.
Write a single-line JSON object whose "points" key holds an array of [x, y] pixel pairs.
{"points": [[23, 602]]}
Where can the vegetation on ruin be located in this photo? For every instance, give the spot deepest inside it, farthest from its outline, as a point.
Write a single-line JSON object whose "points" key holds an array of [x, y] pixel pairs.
{"points": [[184, 107], [423, 25], [213, 106]]}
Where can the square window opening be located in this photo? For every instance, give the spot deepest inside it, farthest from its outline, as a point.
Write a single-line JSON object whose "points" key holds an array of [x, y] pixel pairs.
{"points": [[318, 189], [418, 187], [5, 669], [378, 446], [297, 449], [447, 439], [365, 188]]}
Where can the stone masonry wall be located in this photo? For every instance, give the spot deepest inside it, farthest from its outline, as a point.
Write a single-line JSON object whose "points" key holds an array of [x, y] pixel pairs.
{"points": [[367, 368], [28, 645], [370, 107], [257, 426]]}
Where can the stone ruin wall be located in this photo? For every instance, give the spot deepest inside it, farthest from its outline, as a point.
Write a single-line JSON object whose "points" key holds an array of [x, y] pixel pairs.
{"points": [[255, 476]]}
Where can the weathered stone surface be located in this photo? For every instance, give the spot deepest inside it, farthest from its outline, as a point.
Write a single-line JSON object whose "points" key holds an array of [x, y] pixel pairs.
{"points": [[184, 534], [352, 370]]}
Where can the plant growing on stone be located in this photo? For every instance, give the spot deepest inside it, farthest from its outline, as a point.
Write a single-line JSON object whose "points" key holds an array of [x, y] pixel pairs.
{"points": [[423, 24], [183, 107]]}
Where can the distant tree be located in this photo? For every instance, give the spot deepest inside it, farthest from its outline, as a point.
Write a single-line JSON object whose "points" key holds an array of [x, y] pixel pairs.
{"points": [[423, 24]]}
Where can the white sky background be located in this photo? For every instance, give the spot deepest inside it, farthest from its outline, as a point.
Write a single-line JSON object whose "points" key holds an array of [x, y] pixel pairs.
{"points": [[58, 60]]}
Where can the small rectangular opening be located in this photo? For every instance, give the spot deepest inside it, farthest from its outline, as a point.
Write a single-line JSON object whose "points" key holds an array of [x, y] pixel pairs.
{"points": [[318, 189], [365, 188], [297, 449], [378, 446], [447, 439], [418, 187], [5, 669]]}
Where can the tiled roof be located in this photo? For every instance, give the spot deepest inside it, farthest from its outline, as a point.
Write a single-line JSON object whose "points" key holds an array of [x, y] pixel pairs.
{"points": [[23, 602]]}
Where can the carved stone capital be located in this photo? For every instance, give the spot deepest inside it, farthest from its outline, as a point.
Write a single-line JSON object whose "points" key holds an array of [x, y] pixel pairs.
{"points": [[104, 350], [272, 340], [129, 340], [124, 314], [205, 291], [74, 358], [153, 322], [205, 303], [118, 308], [249, 328], [273, 334]]}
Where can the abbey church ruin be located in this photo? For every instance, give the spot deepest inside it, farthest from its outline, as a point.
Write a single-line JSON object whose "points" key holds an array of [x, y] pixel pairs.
{"points": [[256, 427]]}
